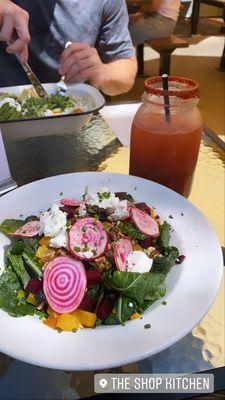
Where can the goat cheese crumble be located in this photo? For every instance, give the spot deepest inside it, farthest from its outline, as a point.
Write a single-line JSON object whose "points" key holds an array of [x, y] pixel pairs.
{"points": [[104, 198], [137, 261], [54, 225]]}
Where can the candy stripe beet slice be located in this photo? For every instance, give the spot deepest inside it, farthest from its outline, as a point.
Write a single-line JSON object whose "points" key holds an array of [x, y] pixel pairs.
{"points": [[64, 284], [122, 249], [144, 222], [87, 239], [71, 202], [30, 229]]}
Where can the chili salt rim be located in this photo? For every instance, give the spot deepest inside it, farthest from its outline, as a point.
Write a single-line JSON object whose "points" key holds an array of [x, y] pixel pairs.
{"points": [[191, 91]]}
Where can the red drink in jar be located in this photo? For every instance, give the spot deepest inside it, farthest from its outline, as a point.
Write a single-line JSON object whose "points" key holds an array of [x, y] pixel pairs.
{"points": [[165, 145]]}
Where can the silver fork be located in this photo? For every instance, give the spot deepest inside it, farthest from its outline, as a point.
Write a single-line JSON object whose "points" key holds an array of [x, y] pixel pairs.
{"points": [[61, 87]]}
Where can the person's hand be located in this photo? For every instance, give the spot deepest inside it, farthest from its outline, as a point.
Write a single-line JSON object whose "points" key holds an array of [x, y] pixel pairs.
{"points": [[136, 18], [80, 62], [14, 19]]}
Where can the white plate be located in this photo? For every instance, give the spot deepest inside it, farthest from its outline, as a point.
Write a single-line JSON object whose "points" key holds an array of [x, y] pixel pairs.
{"points": [[57, 124], [191, 286]]}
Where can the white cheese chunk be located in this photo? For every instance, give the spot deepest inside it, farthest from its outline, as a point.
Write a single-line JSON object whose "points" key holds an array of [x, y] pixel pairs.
{"points": [[137, 261], [59, 240], [104, 198], [54, 225]]}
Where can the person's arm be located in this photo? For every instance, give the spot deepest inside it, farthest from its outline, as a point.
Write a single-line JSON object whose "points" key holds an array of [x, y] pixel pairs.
{"points": [[14, 18], [143, 11], [81, 62], [110, 65], [153, 6]]}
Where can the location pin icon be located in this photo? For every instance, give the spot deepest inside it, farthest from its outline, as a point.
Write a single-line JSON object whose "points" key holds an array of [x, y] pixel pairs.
{"points": [[103, 383]]}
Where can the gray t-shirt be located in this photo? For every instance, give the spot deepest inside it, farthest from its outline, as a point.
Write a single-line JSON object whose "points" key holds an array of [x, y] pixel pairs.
{"points": [[100, 23]]}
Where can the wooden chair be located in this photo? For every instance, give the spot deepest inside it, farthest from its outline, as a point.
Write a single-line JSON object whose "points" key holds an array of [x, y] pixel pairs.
{"points": [[165, 47], [221, 23]]}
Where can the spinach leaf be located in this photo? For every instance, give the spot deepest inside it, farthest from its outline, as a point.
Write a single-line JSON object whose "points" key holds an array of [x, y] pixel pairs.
{"points": [[136, 286], [31, 218], [17, 247], [35, 268], [143, 306], [93, 292], [164, 264], [129, 229], [164, 237], [125, 307], [111, 319], [9, 287], [18, 268], [10, 225], [31, 246]]}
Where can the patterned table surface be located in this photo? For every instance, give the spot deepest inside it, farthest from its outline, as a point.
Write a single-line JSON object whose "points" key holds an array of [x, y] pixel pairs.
{"points": [[96, 148]]}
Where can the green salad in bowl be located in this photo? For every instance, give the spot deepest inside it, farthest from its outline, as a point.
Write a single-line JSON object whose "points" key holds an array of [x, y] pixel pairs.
{"points": [[27, 105]]}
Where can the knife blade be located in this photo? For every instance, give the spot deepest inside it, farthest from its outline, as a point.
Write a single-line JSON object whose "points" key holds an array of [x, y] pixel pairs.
{"points": [[31, 75], [34, 80]]}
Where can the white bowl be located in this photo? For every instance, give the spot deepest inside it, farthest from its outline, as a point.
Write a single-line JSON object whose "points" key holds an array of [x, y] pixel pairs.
{"points": [[57, 124]]}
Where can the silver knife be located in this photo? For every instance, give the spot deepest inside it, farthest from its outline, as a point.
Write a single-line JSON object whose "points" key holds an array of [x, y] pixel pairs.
{"points": [[31, 76], [34, 80]]}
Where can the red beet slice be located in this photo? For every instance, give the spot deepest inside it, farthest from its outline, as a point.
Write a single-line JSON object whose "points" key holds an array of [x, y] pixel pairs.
{"points": [[30, 229], [87, 239], [71, 202], [105, 308], [34, 285], [144, 222], [94, 277], [64, 284], [145, 243], [122, 249], [143, 207], [88, 303]]}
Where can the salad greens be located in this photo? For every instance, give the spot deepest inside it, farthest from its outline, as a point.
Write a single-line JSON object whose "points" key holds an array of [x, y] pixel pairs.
{"points": [[136, 286], [13, 107]]}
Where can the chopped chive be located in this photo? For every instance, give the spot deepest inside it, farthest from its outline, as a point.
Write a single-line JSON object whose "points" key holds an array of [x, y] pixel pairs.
{"points": [[59, 330], [147, 326], [170, 216], [85, 248], [77, 249], [164, 302]]}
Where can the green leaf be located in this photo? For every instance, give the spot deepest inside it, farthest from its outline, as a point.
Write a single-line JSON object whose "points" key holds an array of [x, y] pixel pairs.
{"points": [[129, 229], [125, 307], [9, 287], [111, 320], [164, 237], [10, 225], [165, 263], [31, 218], [31, 246], [19, 269], [136, 286], [143, 306], [32, 264], [17, 247]]}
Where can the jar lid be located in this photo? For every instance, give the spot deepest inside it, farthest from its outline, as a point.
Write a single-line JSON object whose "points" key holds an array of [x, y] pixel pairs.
{"points": [[181, 87]]}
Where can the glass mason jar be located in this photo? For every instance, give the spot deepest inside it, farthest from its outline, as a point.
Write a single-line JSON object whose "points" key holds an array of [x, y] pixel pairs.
{"points": [[165, 138]]}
